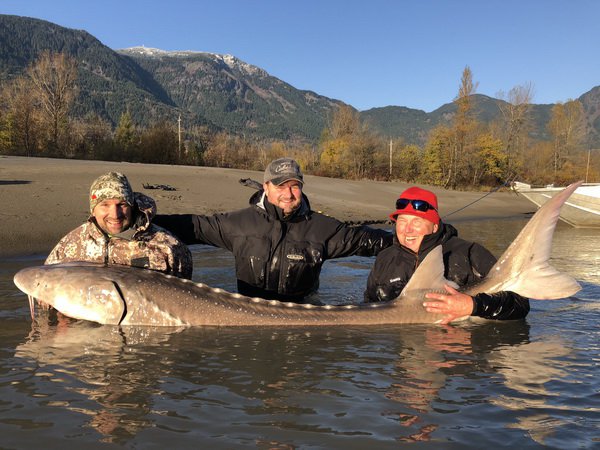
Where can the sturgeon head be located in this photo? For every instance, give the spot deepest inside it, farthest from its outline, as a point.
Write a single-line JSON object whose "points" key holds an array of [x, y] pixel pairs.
{"points": [[100, 301], [107, 294]]}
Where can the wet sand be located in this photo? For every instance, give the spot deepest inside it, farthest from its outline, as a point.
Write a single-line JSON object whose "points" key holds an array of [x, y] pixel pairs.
{"points": [[42, 199]]}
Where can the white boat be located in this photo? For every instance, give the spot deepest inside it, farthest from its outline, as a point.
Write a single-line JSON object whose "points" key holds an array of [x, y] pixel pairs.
{"points": [[582, 210]]}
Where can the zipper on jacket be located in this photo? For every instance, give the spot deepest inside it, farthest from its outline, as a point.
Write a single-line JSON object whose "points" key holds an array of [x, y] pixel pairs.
{"points": [[282, 260]]}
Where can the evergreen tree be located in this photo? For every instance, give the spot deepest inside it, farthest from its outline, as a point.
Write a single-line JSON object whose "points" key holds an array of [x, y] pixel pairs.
{"points": [[126, 136]]}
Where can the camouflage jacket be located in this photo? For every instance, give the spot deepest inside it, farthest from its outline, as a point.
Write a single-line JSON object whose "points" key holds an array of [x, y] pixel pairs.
{"points": [[144, 245]]}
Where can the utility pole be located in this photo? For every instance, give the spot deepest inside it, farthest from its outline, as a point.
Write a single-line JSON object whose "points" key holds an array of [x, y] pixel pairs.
{"points": [[391, 153], [179, 136], [587, 168]]}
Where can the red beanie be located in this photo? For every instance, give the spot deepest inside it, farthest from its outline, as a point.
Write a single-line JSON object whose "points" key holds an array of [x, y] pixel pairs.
{"points": [[416, 193]]}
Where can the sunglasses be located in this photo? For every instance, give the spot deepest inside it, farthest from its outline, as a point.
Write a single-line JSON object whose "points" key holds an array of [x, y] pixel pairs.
{"points": [[418, 205]]}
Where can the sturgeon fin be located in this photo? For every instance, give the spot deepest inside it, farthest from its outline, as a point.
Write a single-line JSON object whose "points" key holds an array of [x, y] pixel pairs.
{"points": [[524, 268], [429, 275]]}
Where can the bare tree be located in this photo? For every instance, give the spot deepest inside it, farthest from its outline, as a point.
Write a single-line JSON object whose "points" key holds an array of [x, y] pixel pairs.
{"points": [[462, 127], [21, 116], [345, 121], [54, 77], [92, 138], [567, 126], [515, 117]]}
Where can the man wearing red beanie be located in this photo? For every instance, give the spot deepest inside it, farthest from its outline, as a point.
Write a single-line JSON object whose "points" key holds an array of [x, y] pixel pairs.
{"points": [[418, 231]]}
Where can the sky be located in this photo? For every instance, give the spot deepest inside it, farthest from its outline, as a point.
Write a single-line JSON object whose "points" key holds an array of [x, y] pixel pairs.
{"points": [[366, 53]]}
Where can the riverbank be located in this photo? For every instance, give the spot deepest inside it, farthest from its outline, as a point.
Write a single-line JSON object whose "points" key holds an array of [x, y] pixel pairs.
{"points": [[42, 199]]}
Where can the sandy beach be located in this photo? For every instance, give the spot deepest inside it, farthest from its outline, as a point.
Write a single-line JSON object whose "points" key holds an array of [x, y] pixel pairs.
{"points": [[42, 199]]}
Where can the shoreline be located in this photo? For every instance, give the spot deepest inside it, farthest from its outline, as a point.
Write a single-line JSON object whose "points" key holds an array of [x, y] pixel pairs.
{"points": [[42, 199]]}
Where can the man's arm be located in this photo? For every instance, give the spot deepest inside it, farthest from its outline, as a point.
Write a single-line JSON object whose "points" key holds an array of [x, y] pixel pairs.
{"points": [[196, 229], [181, 225], [70, 243], [362, 241], [503, 305], [182, 261], [498, 306], [55, 256]]}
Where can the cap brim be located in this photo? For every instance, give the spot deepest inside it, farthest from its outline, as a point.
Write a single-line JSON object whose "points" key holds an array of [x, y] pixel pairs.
{"points": [[280, 180]]}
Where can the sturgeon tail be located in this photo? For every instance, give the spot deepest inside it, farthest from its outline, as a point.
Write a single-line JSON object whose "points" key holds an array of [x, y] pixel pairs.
{"points": [[524, 267]]}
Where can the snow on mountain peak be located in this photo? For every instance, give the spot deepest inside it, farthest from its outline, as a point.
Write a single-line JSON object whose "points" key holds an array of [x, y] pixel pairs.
{"points": [[230, 60]]}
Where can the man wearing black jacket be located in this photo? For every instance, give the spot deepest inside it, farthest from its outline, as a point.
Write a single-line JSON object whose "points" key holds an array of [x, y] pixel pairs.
{"points": [[278, 242], [418, 231]]}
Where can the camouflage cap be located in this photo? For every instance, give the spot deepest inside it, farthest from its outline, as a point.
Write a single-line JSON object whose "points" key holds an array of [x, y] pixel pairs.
{"points": [[281, 170], [108, 186]]}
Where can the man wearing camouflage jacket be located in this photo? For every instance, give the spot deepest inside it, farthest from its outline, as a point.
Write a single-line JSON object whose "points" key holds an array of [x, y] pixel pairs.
{"points": [[120, 231]]}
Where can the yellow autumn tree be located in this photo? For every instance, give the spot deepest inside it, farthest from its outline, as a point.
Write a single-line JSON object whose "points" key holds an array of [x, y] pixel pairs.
{"points": [[489, 163], [348, 148], [437, 156]]}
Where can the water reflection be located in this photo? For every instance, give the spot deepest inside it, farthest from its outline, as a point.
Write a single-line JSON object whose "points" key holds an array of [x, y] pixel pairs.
{"points": [[108, 373], [293, 382], [527, 371], [577, 251]]}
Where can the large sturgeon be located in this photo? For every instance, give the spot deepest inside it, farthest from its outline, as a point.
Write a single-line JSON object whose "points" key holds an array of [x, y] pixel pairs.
{"points": [[121, 295]]}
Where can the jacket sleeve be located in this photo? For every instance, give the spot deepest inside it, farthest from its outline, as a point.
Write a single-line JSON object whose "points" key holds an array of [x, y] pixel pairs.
{"points": [[69, 248], [379, 291], [481, 260], [56, 255], [196, 229], [370, 294], [503, 305], [182, 262], [362, 241]]}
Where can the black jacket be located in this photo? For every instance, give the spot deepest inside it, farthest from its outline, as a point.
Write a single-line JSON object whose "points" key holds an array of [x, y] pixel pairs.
{"points": [[465, 263], [275, 257]]}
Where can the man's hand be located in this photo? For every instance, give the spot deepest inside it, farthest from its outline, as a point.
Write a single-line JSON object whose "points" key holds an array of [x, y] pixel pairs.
{"points": [[453, 305]]}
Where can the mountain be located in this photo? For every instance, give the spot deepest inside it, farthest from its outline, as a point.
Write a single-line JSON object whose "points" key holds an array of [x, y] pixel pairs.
{"points": [[398, 121], [220, 91], [413, 125], [236, 96], [109, 83], [591, 106]]}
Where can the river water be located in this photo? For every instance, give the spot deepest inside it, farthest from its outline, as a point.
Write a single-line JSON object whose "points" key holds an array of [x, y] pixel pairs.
{"points": [[525, 384]]}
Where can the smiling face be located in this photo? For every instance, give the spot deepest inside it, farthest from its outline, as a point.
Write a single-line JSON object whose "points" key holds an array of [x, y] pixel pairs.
{"points": [[411, 230], [113, 215], [286, 196]]}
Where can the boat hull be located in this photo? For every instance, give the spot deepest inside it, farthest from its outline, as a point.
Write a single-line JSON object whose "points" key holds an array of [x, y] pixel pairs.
{"points": [[582, 210]]}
